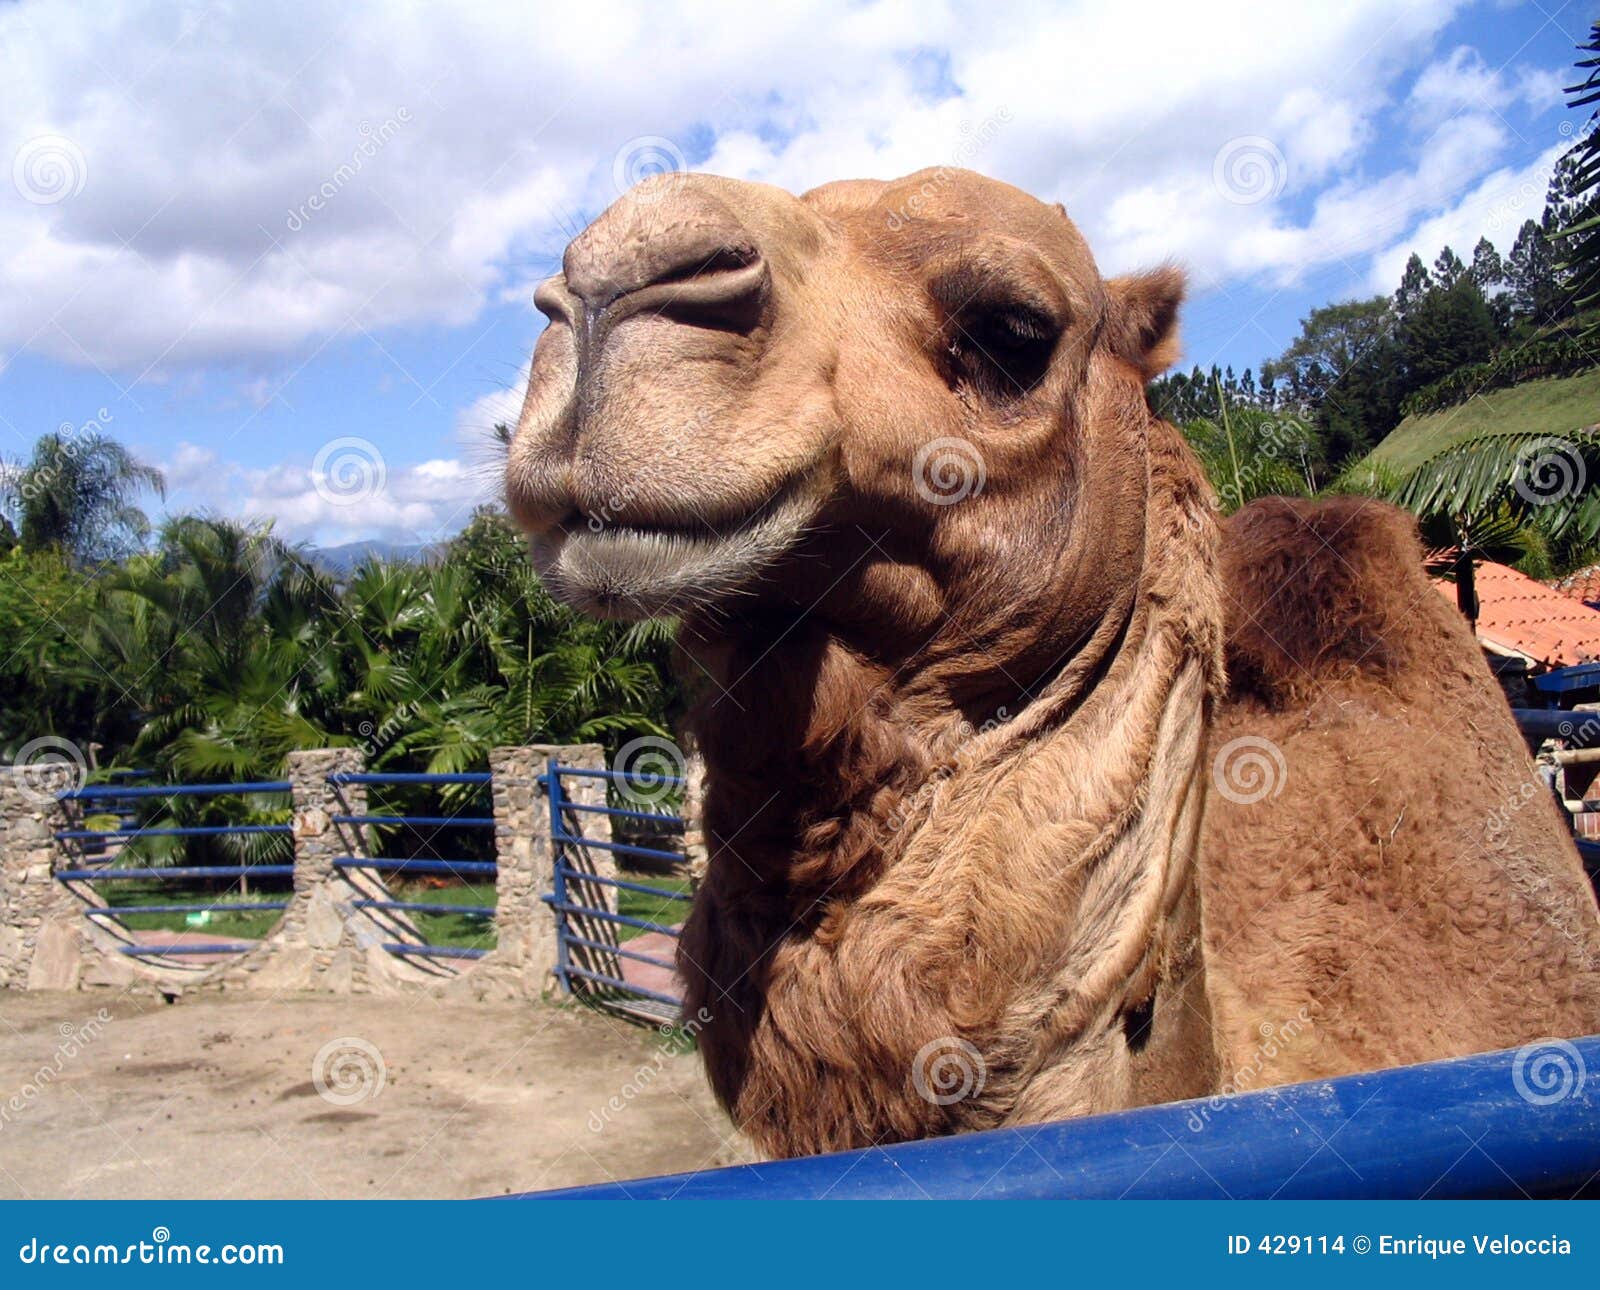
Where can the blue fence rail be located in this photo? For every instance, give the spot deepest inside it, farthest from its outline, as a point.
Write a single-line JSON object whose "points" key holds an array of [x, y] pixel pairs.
{"points": [[619, 960], [98, 861], [90, 857], [1468, 1128], [408, 920]]}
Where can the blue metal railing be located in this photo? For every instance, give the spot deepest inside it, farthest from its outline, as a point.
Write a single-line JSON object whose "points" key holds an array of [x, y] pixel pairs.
{"points": [[1460, 1129], [99, 855], [408, 935], [592, 956]]}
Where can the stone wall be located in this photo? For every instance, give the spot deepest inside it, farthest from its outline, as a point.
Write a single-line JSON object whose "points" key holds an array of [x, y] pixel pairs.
{"points": [[326, 940], [43, 941]]}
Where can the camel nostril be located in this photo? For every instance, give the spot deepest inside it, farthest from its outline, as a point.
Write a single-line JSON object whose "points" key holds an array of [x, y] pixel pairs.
{"points": [[726, 288], [688, 260], [718, 285], [699, 265]]}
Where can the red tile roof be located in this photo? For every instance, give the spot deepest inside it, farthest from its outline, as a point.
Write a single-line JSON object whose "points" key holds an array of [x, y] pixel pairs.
{"points": [[1520, 615], [1583, 585]]}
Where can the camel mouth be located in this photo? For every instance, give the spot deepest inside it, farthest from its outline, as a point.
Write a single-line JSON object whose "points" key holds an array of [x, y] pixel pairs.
{"points": [[632, 571]]}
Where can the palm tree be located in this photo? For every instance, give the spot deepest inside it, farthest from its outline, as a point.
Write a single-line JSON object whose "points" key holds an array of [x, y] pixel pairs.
{"points": [[1250, 452], [76, 494], [1515, 497]]}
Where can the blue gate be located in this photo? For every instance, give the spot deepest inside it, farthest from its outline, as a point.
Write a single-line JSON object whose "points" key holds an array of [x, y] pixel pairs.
{"points": [[144, 899], [616, 936], [420, 929]]}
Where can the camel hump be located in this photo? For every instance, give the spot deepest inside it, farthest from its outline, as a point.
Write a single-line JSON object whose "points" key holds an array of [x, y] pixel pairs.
{"points": [[1324, 591]]}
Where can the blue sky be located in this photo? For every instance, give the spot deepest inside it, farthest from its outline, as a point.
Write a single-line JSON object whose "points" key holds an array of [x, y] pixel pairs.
{"points": [[165, 272]]}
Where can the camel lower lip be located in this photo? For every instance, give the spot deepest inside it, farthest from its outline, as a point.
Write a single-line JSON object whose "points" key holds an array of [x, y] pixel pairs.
{"points": [[632, 572]]}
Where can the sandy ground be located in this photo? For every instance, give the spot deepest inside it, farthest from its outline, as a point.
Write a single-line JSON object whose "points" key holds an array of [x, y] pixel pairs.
{"points": [[219, 1097]]}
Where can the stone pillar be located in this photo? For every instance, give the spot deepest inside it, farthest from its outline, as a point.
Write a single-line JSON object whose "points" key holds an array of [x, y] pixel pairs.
{"points": [[695, 851], [42, 940], [525, 953], [324, 942]]}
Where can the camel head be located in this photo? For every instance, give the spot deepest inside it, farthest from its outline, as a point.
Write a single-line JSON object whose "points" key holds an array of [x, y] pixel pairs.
{"points": [[884, 449], [875, 394]]}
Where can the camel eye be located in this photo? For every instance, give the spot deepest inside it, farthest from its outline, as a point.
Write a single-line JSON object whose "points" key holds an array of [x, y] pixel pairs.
{"points": [[1004, 351], [1011, 332]]}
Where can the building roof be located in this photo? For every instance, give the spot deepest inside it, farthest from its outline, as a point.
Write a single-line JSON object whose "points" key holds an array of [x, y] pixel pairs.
{"points": [[1521, 616], [1582, 585]]}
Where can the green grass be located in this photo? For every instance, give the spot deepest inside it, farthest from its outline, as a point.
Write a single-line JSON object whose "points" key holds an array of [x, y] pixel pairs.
{"points": [[1556, 406], [466, 930], [656, 909], [245, 924]]}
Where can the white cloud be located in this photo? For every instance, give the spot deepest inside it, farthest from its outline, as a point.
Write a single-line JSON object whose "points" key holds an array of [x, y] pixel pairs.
{"points": [[354, 494], [1462, 81], [1494, 208], [257, 181]]}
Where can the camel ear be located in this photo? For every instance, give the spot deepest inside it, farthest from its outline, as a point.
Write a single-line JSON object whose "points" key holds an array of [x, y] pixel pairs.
{"points": [[1142, 320]]}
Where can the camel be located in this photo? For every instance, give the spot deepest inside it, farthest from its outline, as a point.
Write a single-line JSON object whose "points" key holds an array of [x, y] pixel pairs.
{"points": [[1034, 789]]}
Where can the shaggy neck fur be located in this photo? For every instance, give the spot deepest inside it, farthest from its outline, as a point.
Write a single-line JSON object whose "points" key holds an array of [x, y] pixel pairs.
{"points": [[893, 943]]}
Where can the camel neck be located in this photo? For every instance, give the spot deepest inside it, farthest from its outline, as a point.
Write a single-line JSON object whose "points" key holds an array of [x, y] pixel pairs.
{"points": [[1027, 889]]}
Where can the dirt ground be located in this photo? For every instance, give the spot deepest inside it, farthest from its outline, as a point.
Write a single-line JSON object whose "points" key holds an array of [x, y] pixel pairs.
{"points": [[310, 1096]]}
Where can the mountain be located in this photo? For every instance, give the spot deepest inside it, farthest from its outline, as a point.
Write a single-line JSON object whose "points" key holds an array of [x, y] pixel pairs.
{"points": [[346, 556]]}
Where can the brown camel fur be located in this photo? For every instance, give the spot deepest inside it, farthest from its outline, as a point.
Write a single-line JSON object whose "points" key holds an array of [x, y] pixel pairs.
{"points": [[989, 837]]}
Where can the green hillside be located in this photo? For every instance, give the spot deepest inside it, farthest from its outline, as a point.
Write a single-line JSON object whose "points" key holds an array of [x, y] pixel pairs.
{"points": [[1555, 406]]}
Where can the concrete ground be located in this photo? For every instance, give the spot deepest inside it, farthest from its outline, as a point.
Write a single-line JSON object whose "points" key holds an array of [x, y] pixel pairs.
{"points": [[105, 1095]]}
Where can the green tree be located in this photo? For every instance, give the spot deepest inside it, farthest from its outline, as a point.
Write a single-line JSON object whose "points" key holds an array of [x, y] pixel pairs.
{"points": [[1415, 282], [76, 493], [1531, 276], [1448, 328], [1487, 271], [1448, 269], [1345, 365]]}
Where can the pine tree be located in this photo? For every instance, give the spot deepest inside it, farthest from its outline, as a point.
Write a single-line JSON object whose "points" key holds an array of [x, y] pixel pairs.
{"points": [[1531, 276], [1448, 269], [1487, 270], [1414, 284], [1447, 329]]}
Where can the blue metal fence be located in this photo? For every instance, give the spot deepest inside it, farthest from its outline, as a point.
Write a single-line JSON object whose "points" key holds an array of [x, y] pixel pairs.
{"points": [[619, 960], [1467, 1128], [408, 919], [90, 857]]}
